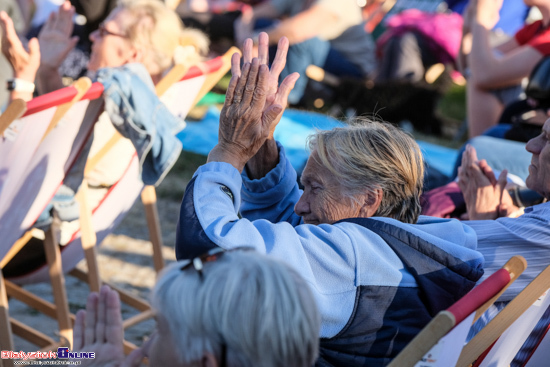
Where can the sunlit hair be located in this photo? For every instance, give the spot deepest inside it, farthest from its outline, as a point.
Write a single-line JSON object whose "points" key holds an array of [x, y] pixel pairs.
{"points": [[370, 155], [259, 307], [159, 32]]}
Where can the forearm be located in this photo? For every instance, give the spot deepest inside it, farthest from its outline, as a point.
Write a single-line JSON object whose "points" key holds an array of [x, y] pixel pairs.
{"points": [[464, 52], [481, 57], [264, 161], [48, 80]]}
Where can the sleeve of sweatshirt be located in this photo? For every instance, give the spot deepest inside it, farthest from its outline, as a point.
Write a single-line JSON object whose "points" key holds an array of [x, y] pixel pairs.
{"points": [[273, 196], [209, 217]]}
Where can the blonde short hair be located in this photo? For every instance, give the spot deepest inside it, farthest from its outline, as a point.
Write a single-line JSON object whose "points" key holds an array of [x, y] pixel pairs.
{"points": [[159, 32], [370, 155]]}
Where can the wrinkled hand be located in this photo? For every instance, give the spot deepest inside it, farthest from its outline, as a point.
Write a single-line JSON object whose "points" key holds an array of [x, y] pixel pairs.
{"points": [[244, 123], [276, 94], [24, 63], [55, 37], [99, 330], [483, 193], [487, 12]]}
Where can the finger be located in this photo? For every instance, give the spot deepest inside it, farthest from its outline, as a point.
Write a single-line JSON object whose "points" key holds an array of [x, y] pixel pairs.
{"points": [[113, 316], [101, 310], [34, 49], [49, 24], [488, 172], [260, 89], [236, 64], [247, 50], [271, 114], [78, 330], [65, 21], [239, 89], [230, 93], [279, 61], [285, 88], [91, 318], [263, 48], [8, 28], [252, 82], [502, 182]]}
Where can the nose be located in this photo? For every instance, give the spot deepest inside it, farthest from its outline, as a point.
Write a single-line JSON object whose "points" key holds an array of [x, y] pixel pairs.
{"points": [[534, 146], [302, 206]]}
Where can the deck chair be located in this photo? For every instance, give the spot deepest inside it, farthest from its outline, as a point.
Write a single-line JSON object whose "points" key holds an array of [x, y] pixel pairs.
{"points": [[180, 90], [510, 333], [541, 354], [440, 342], [40, 148]]}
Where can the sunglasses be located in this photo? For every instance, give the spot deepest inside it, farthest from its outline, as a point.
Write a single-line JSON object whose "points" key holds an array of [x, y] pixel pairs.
{"points": [[105, 32], [198, 262]]}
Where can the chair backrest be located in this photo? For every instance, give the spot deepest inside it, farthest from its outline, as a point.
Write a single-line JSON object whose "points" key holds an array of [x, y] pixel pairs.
{"points": [[439, 344], [120, 197], [513, 316], [43, 146], [541, 354]]}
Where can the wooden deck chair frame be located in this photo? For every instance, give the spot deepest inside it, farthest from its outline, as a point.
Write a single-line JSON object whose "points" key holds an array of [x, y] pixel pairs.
{"points": [[477, 300], [213, 71], [490, 333], [64, 99]]}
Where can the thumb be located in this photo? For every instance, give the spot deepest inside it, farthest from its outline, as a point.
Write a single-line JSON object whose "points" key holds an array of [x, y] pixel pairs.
{"points": [[271, 114], [34, 49], [502, 181]]}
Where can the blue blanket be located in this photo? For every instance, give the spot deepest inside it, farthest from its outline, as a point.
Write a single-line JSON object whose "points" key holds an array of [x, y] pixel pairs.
{"points": [[295, 126]]}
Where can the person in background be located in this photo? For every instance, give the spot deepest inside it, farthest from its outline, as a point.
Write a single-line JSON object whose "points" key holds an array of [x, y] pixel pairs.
{"points": [[495, 73], [238, 309], [326, 33]]}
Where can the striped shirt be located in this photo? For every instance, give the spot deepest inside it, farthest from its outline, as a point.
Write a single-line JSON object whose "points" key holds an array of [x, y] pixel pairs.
{"points": [[527, 235]]}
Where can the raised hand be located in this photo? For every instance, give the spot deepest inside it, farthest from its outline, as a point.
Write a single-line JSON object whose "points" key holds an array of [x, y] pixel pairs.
{"points": [[24, 63], [99, 330], [276, 94], [55, 37], [482, 192], [487, 12], [245, 121]]}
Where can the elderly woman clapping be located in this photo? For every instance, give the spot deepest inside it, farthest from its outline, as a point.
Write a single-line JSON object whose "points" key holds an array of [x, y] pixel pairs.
{"points": [[378, 271]]}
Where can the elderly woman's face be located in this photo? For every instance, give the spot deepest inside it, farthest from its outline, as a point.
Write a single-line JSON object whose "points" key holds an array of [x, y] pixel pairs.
{"points": [[111, 46], [323, 200]]}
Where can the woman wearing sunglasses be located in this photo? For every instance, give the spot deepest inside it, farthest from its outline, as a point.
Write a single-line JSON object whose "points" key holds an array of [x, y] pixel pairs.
{"points": [[223, 309]]}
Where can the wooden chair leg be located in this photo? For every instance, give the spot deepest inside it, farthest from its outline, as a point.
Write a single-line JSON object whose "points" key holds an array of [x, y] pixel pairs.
{"points": [[88, 238], [6, 339], [53, 258], [149, 199]]}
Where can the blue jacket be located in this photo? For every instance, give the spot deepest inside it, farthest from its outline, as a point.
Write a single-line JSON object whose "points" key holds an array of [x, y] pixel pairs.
{"points": [[138, 114], [377, 281]]}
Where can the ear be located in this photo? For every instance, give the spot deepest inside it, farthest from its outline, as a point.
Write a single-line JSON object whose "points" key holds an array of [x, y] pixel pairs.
{"points": [[136, 54], [371, 204], [208, 360]]}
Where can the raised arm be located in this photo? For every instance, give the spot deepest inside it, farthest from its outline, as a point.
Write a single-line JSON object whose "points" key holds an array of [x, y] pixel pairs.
{"points": [[489, 70], [55, 43], [24, 63]]}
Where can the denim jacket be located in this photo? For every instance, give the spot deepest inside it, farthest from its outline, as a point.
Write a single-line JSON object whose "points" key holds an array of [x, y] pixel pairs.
{"points": [[138, 114]]}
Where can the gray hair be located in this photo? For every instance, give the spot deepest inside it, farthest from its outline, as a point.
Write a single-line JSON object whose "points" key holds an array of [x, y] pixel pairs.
{"points": [[159, 31], [369, 155], [260, 308]]}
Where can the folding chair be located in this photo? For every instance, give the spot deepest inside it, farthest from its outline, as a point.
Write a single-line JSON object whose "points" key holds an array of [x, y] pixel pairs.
{"points": [[440, 342], [39, 149], [179, 94], [511, 326]]}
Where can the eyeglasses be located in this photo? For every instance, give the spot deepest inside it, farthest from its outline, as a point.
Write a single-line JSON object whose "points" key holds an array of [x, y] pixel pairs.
{"points": [[105, 32], [198, 264]]}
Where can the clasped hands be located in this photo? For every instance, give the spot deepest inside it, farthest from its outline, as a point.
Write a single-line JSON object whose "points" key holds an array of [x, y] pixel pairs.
{"points": [[485, 196], [254, 103]]}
